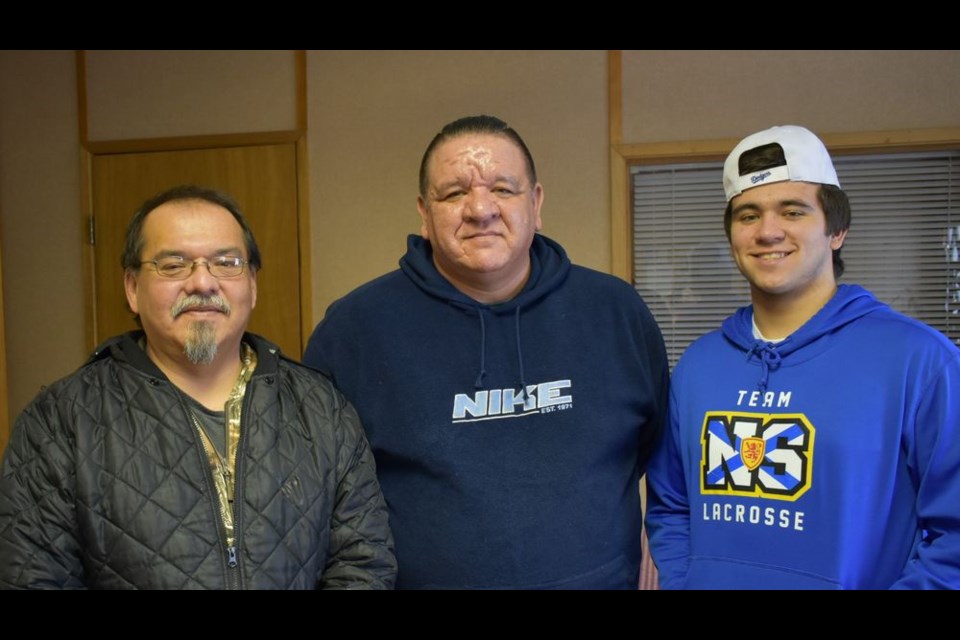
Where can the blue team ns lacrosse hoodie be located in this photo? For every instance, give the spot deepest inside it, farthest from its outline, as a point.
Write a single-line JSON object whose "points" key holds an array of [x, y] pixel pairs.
{"points": [[827, 461]]}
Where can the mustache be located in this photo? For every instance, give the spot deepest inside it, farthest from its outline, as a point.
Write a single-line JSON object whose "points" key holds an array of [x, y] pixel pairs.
{"points": [[200, 302]]}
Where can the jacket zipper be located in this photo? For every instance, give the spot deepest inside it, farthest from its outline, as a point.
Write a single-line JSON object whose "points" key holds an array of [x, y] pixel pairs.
{"points": [[233, 574], [250, 364], [231, 570]]}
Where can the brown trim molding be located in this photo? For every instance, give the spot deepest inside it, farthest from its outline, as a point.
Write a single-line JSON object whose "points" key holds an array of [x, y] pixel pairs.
{"points": [[88, 254], [4, 404], [303, 191], [181, 143], [618, 172], [86, 204]]}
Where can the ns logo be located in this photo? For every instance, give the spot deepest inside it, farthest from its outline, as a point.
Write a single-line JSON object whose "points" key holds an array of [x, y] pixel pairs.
{"points": [[761, 455]]}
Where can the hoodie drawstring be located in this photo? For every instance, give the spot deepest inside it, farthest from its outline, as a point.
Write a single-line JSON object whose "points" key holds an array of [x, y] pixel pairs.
{"points": [[483, 351], [769, 361], [523, 380], [478, 384]]}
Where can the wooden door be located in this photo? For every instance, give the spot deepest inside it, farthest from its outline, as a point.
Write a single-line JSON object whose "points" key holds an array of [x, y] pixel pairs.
{"points": [[261, 178]]}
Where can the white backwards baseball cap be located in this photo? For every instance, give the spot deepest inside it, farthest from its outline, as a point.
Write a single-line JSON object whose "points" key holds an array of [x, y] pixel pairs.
{"points": [[807, 160]]}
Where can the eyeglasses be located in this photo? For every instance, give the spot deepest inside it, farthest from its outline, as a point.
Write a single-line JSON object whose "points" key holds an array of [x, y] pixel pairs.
{"points": [[177, 268]]}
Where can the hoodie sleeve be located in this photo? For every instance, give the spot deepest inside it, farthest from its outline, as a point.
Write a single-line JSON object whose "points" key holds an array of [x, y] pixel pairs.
{"points": [[935, 465], [318, 352], [668, 509], [332, 347]]}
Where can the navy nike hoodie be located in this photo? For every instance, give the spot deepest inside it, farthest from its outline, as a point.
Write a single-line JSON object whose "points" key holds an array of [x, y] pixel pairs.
{"points": [[509, 438]]}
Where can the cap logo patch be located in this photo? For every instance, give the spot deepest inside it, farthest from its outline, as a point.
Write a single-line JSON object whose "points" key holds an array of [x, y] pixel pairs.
{"points": [[779, 154]]}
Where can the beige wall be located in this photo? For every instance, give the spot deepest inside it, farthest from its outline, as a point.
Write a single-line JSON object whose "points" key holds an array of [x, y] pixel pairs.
{"points": [[152, 94], [370, 115], [694, 95], [42, 229]]}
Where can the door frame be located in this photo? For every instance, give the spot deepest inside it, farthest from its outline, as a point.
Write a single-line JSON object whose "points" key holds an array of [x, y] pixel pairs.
{"points": [[4, 404]]}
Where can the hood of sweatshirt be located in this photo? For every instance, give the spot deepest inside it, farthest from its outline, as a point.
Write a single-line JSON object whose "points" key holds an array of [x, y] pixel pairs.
{"points": [[549, 268], [848, 304]]}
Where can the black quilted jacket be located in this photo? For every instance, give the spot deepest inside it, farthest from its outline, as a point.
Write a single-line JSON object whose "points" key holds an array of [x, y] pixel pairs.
{"points": [[105, 484]]}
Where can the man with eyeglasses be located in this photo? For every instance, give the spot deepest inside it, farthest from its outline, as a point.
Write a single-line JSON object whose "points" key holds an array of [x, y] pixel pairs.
{"points": [[191, 454]]}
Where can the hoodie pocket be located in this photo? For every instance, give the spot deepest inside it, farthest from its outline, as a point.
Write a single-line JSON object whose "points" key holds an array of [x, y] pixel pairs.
{"points": [[722, 573]]}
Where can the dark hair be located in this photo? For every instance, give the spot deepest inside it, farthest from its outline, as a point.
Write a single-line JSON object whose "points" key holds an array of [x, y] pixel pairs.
{"points": [[133, 244], [475, 124], [832, 199]]}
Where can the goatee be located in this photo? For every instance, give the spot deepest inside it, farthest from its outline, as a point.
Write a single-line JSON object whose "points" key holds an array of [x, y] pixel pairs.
{"points": [[201, 347]]}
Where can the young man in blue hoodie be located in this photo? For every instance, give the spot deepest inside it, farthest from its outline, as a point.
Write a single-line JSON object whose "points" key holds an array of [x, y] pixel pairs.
{"points": [[814, 440], [511, 398]]}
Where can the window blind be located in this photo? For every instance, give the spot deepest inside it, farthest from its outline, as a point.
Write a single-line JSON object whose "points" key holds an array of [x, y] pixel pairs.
{"points": [[903, 244]]}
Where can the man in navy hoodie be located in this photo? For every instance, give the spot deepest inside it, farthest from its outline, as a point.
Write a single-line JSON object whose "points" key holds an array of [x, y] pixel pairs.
{"points": [[814, 439], [511, 398]]}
